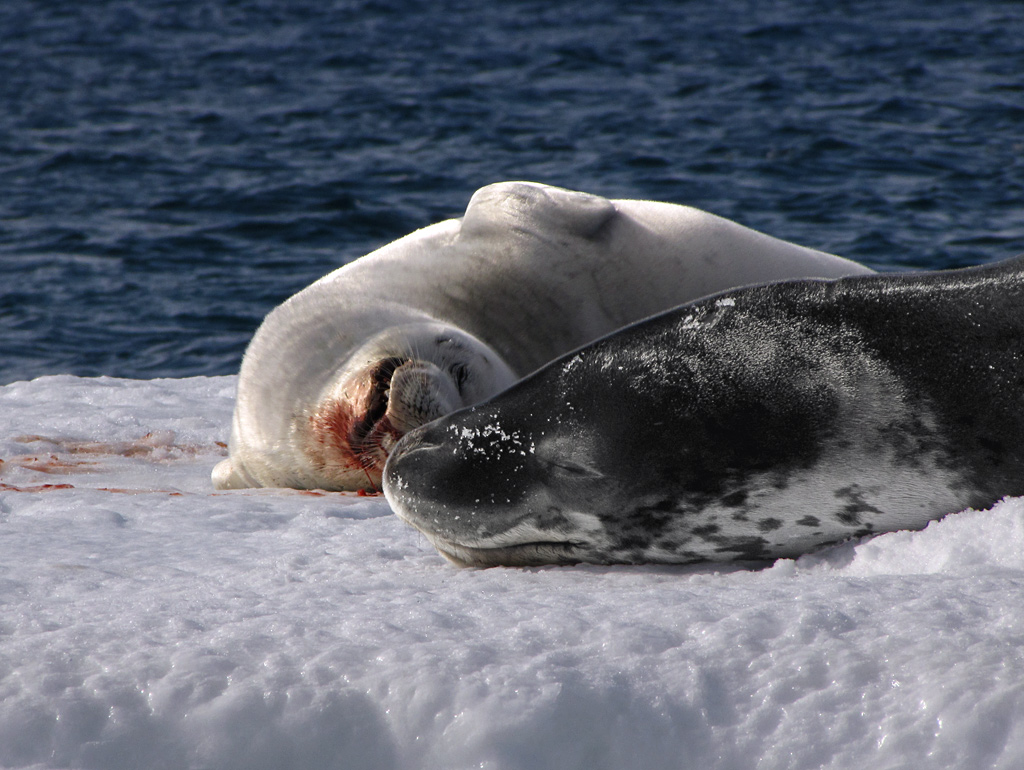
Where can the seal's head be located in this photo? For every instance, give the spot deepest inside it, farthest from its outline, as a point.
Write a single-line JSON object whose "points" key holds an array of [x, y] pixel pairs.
{"points": [[340, 434], [402, 378], [537, 475]]}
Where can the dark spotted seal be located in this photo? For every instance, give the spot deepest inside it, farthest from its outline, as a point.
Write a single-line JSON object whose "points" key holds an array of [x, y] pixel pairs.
{"points": [[759, 423], [457, 311]]}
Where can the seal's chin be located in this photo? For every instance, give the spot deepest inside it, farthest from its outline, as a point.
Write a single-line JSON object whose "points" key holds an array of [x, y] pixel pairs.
{"points": [[521, 555]]}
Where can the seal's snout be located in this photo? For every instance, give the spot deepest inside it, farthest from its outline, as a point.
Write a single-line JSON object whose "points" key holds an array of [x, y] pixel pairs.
{"points": [[419, 392], [407, 473], [411, 459]]}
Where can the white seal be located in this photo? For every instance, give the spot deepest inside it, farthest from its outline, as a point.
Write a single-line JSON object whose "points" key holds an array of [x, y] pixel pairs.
{"points": [[456, 312]]}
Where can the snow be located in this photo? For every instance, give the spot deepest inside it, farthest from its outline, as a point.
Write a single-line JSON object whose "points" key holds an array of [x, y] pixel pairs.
{"points": [[147, 621]]}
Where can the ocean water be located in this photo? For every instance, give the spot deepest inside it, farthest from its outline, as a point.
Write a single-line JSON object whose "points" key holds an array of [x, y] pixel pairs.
{"points": [[172, 170]]}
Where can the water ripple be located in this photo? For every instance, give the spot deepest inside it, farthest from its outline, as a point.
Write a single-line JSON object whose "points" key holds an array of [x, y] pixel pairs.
{"points": [[174, 169]]}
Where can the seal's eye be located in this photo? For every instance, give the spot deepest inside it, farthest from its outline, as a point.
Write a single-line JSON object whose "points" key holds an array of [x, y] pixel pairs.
{"points": [[459, 375], [573, 470], [568, 459]]}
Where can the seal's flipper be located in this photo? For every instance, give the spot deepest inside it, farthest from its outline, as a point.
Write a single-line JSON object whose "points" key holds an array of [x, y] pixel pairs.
{"points": [[225, 476]]}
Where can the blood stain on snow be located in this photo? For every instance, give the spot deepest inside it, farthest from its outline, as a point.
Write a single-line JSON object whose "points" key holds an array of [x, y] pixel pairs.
{"points": [[69, 455], [4, 487], [34, 488]]}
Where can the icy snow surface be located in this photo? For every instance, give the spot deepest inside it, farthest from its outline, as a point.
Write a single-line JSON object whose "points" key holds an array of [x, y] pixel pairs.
{"points": [[149, 622]]}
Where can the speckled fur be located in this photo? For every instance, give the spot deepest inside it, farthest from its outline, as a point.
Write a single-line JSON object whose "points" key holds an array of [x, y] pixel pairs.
{"points": [[760, 423]]}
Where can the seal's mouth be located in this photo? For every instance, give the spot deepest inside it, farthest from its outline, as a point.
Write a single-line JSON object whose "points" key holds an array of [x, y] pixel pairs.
{"points": [[536, 554], [364, 435], [471, 535]]}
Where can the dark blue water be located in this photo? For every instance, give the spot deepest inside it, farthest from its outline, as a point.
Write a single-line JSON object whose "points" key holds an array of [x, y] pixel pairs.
{"points": [[173, 169]]}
